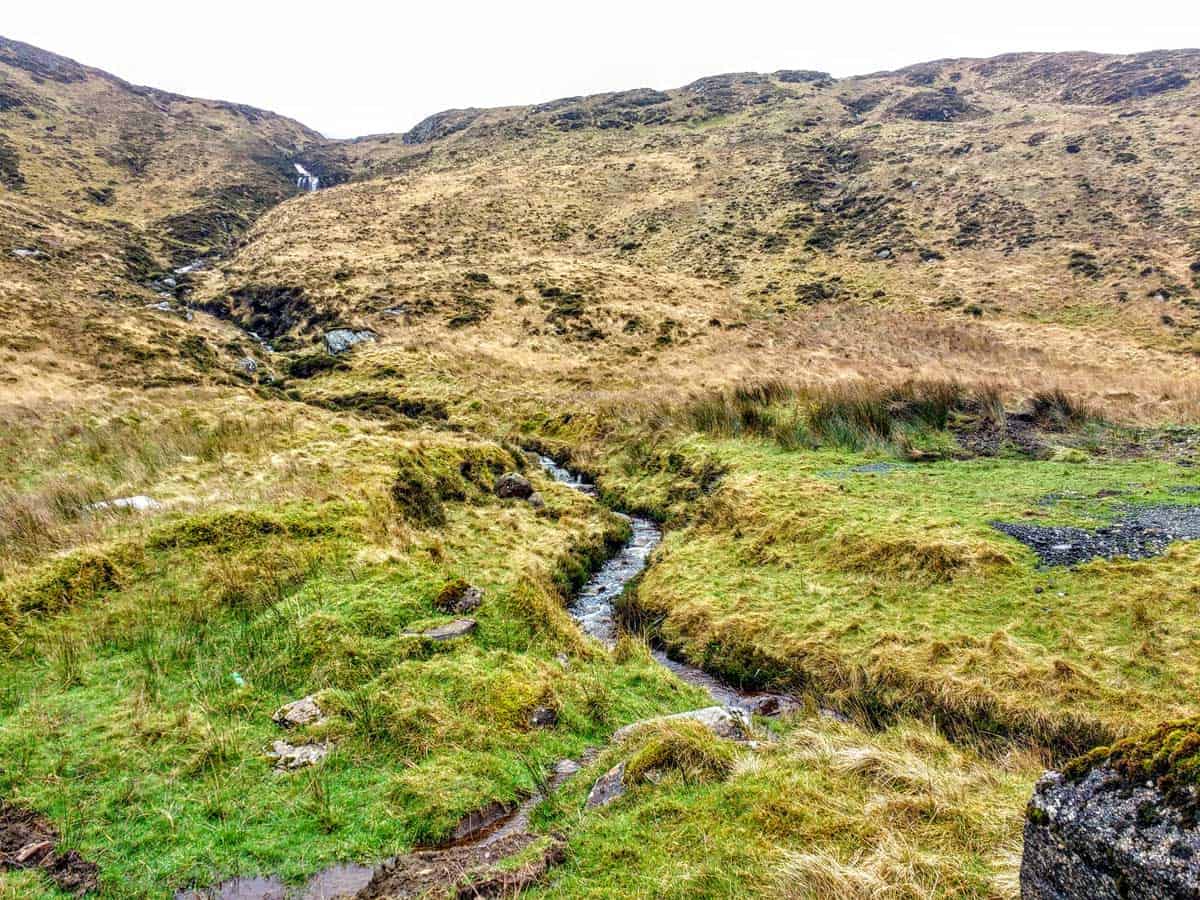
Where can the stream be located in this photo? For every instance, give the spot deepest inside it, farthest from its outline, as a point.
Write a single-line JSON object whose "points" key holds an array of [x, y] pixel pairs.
{"points": [[593, 609], [593, 606]]}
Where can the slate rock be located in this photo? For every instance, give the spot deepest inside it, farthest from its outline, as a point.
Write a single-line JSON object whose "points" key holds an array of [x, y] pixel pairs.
{"points": [[608, 787], [723, 721], [342, 339], [1107, 837], [456, 629], [289, 757], [304, 711]]}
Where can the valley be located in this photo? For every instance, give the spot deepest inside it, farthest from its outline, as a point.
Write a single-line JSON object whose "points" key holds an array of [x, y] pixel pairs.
{"points": [[863, 409]]}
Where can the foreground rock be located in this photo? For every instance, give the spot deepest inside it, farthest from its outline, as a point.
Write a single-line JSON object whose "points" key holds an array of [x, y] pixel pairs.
{"points": [[342, 339], [29, 841], [448, 632], [608, 787], [1121, 823], [288, 757], [727, 722]]}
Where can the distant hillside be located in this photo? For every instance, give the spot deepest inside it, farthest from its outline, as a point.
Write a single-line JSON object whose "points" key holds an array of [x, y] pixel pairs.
{"points": [[957, 215]]}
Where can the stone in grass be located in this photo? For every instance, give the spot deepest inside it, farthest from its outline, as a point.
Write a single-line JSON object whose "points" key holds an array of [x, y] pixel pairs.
{"points": [[513, 485], [608, 787], [723, 721], [543, 717], [458, 597], [536, 500], [304, 711], [289, 757], [342, 339], [448, 632], [1120, 822]]}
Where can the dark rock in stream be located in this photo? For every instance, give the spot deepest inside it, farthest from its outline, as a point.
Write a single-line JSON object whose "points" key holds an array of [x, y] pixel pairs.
{"points": [[608, 787]]}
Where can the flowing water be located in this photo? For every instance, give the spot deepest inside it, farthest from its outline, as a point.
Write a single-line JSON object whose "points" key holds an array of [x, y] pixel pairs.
{"points": [[593, 606], [593, 609], [306, 180]]}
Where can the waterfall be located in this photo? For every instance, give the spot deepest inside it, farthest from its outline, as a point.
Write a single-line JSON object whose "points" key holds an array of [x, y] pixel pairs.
{"points": [[305, 179]]}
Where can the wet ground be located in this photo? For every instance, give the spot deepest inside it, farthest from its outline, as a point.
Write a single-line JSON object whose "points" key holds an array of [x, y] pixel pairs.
{"points": [[1139, 533], [593, 607], [29, 841]]}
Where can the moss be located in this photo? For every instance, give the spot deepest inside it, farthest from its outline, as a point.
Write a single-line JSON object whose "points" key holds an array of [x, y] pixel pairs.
{"points": [[416, 496], [310, 364], [234, 527], [62, 584], [686, 748], [452, 591], [1169, 755]]}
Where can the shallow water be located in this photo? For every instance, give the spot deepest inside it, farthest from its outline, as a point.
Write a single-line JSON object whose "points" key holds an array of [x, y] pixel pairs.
{"points": [[593, 606]]}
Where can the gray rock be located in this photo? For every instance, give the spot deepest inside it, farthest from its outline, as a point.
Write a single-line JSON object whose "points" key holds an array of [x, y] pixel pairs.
{"points": [[536, 500], [723, 721], [1106, 837], [26, 253], [304, 711], [342, 339], [288, 756], [248, 364], [543, 717], [456, 629], [138, 503], [513, 484], [608, 787], [468, 601]]}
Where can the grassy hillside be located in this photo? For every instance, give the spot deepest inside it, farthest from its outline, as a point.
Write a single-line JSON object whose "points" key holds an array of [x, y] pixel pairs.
{"points": [[829, 333]]}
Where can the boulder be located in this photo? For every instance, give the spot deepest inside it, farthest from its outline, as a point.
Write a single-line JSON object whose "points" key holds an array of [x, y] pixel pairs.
{"points": [[138, 503], [513, 484], [608, 787], [1107, 836], [304, 711], [458, 598], [248, 364], [456, 629], [290, 756], [342, 339], [536, 500], [724, 721], [543, 717]]}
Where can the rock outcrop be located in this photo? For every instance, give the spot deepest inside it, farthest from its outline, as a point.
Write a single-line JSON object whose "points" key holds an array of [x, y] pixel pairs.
{"points": [[1119, 824]]}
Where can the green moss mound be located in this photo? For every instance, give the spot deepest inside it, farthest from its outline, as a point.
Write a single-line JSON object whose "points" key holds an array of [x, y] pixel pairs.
{"points": [[231, 528], [427, 478], [61, 584], [686, 748], [1169, 756]]}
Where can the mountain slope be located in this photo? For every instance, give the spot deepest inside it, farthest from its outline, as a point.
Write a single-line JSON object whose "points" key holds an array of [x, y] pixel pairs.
{"points": [[965, 216]]}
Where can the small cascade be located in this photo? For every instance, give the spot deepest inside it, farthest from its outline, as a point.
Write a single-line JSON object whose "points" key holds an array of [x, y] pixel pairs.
{"points": [[306, 180]]}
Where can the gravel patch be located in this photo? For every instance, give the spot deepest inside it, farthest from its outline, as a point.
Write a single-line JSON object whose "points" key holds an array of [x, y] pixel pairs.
{"points": [[1140, 533]]}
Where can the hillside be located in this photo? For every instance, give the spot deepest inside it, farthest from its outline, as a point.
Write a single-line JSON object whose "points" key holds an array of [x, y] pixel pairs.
{"points": [[893, 379]]}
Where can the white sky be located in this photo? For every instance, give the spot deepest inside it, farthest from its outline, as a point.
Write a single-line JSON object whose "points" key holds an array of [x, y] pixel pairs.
{"points": [[347, 67]]}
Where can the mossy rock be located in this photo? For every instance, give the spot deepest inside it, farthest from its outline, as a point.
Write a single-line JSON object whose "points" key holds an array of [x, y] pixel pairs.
{"points": [[1169, 755], [686, 748]]}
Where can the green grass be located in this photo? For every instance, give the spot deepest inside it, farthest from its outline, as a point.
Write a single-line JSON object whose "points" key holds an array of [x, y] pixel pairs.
{"points": [[123, 720], [827, 811], [887, 592]]}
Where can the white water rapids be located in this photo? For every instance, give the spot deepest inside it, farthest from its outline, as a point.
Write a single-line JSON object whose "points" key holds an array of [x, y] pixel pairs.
{"points": [[306, 180]]}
